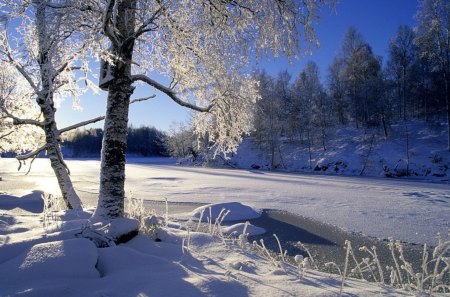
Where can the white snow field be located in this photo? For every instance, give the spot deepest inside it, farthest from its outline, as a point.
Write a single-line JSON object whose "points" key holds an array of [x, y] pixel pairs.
{"points": [[38, 261], [407, 210]]}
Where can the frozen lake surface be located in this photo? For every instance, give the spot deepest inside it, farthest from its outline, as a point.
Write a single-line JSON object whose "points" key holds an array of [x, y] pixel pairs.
{"points": [[410, 211]]}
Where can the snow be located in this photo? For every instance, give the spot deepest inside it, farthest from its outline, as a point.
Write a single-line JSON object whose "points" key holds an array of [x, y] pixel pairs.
{"points": [[144, 267], [52, 261], [350, 149], [408, 210], [225, 212], [121, 226], [239, 228]]}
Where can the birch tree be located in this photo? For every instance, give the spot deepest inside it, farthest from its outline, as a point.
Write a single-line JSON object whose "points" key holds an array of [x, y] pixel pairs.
{"points": [[202, 49], [44, 50], [433, 42]]}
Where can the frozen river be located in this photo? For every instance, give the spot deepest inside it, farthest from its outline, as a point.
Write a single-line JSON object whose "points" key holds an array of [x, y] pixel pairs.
{"points": [[411, 211]]}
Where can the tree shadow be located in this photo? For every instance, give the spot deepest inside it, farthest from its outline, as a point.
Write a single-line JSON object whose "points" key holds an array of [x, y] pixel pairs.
{"points": [[32, 202]]}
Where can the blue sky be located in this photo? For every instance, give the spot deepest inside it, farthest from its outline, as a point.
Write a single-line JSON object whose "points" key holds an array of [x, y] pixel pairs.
{"points": [[377, 20]]}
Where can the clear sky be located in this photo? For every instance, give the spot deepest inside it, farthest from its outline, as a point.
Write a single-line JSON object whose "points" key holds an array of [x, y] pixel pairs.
{"points": [[376, 20]]}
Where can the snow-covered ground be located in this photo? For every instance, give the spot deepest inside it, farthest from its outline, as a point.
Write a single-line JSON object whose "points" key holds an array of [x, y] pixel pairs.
{"points": [[55, 262], [413, 148], [50, 262], [408, 210]]}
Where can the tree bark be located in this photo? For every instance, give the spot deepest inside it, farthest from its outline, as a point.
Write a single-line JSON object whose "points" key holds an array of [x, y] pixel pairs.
{"points": [[56, 160], [112, 172], [46, 104], [447, 94]]}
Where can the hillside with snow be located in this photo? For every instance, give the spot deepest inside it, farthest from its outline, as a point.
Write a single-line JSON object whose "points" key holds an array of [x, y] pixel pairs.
{"points": [[413, 149]]}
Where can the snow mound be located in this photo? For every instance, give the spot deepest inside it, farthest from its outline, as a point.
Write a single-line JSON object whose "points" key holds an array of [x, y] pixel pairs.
{"points": [[123, 229], [238, 229], [73, 258], [237, 212], [120, 258]]}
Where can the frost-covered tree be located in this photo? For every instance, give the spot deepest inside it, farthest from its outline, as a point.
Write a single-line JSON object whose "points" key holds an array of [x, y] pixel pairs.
{"points": [[311, 105], [15, 104], [400, 67], [202, 48], [268, 116], [181, 142], [433, 41], [336, 89], [46, 48], [363, 71]]}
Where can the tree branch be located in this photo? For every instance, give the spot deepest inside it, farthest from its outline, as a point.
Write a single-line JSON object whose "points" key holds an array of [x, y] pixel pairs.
{"points": [[169, 92], [81, 124], [142, 99], [107, 17], [7, 134], [18, 66], [19, 121], [31, 154], [143, 28], [100, 118]]}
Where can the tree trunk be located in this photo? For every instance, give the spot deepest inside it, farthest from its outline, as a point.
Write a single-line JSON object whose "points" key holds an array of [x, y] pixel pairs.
{"points": [[56, 160], [45, 102], [309, 150], [447, 94], [112, 172]]}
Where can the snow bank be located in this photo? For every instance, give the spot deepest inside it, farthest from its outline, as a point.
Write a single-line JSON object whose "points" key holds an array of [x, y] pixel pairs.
{"points": [[187, 263], [238, 229], [237, 212], [74, 258]]}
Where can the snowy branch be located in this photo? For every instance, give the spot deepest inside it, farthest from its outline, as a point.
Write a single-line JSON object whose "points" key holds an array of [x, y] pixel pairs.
{"points": [[32, 154], [7, 134], [142, 99], [169, 92], [19, 121], [7, 53], [100, 118], [107, 28], [144, 27], [81, 124]]}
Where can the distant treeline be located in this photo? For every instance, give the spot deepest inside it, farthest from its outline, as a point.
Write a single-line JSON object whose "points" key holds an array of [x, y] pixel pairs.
{"points": [[142, 141]]}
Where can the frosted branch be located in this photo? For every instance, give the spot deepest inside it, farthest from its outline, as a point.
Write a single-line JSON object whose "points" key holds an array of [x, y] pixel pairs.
{"points": [[7, 53], [144, 27], [169, 92], [6, 134], [19, 121], [107, 29], [31, 154], [142, 99], [81, 124]]}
